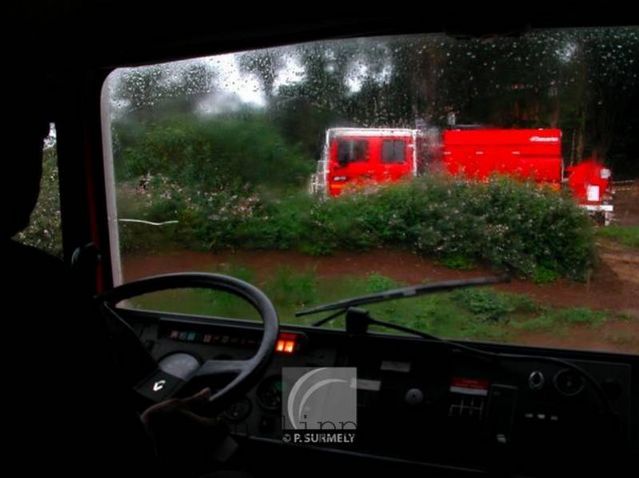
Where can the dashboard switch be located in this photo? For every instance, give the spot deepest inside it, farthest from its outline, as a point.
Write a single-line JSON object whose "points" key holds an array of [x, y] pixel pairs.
{"points": [[568, 382], [414, 396], [502, 403], [536, 380]]}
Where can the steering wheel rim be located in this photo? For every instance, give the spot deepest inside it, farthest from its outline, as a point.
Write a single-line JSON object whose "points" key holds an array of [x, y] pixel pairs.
{"points": [[247, 372]]}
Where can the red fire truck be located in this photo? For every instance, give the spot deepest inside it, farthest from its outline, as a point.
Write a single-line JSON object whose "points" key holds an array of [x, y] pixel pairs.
{"points": [[356, 157]]}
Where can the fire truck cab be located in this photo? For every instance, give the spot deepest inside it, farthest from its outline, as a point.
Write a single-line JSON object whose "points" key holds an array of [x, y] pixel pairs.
{"points": [[590, 183], [356, 157]]}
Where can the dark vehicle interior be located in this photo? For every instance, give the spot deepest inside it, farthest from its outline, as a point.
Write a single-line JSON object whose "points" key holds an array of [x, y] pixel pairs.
{"points": [[424, 405]]}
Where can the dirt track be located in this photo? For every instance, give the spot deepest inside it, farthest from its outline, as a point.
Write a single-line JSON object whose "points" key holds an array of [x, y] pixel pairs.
{"points": [[606, 290], [613, 287]]}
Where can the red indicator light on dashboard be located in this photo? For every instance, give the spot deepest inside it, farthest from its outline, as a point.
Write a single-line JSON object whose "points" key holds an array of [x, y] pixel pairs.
{"points": [[286, 343], [469, 386]]}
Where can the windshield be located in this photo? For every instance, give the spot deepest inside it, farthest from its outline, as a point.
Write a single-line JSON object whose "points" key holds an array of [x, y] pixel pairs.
{"points": [[328, 170]]}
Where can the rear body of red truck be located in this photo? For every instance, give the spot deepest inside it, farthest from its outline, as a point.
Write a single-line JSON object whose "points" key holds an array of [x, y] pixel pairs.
{"points": [[530, 154]]}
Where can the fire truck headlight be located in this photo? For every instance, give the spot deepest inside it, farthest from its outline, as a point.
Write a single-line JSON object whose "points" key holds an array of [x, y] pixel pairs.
{"points": [[592, 193], [604, 173]]}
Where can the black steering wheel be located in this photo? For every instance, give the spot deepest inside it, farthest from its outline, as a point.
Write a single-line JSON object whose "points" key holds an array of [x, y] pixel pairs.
{"points": [[165, 380]]}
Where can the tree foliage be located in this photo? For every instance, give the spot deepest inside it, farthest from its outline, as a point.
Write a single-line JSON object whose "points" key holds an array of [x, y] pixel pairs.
{"points": [[584, 81]]}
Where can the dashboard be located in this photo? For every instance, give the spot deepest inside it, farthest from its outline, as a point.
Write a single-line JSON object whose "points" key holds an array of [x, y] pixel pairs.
{"points": [[425, 404]]}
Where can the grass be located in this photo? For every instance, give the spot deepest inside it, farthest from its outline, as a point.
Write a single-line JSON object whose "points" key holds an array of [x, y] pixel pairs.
{"points": [[543, 275], [626, 235], [560, 319], [458, 262], [474, 313]]}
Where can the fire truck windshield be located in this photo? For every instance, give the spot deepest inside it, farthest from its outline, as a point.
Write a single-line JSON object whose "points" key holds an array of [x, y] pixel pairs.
{"points": [[342, 168]]}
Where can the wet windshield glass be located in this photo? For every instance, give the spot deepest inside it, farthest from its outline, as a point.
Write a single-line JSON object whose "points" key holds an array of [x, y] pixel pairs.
{"points": [[327, 170]]}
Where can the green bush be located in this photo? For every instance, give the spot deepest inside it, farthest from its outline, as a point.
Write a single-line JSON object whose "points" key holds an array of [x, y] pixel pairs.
{"points": [[44, 231], [484, 304], [511, 225], [544, 275], [209, 154], [489, 304]]}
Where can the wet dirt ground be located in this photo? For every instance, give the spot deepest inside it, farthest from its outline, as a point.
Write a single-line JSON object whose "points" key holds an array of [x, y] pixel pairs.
{"points": [[613, 286]]}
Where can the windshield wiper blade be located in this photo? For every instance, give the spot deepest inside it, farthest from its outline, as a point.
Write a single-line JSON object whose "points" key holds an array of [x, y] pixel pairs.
{"points": [[404, 292]]}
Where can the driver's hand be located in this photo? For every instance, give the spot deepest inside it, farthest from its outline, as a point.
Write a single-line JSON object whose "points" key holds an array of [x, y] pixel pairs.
{"points": [[184, 410], [180, 432]]}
